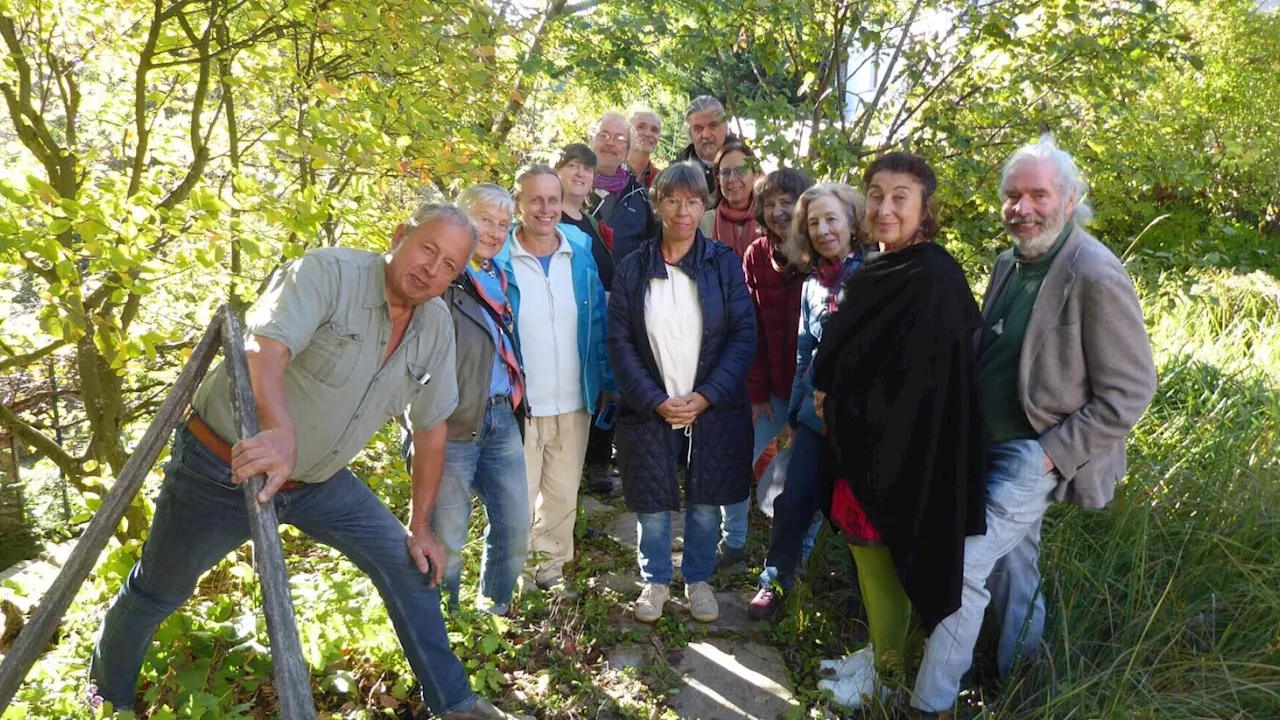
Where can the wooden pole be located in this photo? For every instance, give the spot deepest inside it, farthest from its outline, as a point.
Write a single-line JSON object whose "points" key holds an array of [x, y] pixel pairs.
{"points": [[293, 682], [35, 636]]}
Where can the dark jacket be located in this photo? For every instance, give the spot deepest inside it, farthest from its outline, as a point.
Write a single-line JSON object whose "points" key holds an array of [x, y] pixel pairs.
{"points": [[719, 459], [713, 183], [776, 297], [474, 352], [898, 365], [629, 214]]}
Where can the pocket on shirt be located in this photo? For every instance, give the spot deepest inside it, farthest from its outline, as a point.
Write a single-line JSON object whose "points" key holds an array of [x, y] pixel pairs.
{"points": [[331, 355], [402, 397]]}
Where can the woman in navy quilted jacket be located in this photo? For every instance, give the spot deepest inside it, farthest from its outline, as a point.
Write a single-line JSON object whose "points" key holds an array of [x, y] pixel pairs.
{"points": [[682, 336]]}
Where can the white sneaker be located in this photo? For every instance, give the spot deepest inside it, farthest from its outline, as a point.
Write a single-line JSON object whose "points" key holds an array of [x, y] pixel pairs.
{"points": [[702, 602], [854, 691], [849, 666], [652, 599]]}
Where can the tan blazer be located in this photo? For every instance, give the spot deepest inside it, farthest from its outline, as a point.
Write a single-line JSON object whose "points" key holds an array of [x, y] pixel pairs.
{"points": [[1085, 374]]}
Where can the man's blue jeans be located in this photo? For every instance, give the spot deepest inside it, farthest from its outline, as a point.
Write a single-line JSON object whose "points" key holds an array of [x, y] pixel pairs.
{"points": [[794, 509], [1003, 566], [200, 517], [701, 531], [492, 466], [733, 518]]}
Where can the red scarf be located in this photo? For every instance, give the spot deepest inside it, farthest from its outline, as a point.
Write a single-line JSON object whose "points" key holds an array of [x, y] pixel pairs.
{"points": [[736, 228]]}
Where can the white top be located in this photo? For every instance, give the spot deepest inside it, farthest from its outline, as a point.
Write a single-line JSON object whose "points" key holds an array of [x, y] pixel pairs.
{"points": [[673, 322], [548, 328]]}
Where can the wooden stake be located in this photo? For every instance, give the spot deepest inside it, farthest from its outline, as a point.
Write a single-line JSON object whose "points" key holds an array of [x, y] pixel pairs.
{"points": [[293, 682]]}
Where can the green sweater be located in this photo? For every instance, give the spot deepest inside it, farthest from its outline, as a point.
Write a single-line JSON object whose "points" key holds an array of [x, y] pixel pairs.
{"points": [[1003, 418]]}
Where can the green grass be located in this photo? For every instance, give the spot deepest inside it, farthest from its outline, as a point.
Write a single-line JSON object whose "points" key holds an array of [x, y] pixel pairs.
{"points": [[1165, 605]]}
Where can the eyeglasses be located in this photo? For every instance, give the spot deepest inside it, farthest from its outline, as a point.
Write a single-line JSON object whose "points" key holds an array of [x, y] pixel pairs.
{"points": [[603, 136], [673, 204], [734, 172]]}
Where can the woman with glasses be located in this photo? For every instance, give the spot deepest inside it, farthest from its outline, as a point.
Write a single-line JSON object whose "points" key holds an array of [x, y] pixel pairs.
{"points": [[733, 221], [681, 340], [485, 450]]}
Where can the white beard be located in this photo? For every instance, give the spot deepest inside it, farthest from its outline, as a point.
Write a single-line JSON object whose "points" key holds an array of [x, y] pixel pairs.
{"points": [[1037, 245]]}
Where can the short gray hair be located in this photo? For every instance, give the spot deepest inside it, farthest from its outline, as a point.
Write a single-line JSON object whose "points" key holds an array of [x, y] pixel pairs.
{"points": [[1067, 175], [433, 211], [702, 103], [532, 171], [642, 110], [681, 176], [611, 115], [486, 195]]}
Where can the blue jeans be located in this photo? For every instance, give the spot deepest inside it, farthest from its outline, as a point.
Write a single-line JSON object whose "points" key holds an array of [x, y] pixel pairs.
{"points": [[1001, 565], [701, 530], [200, 517], [795, 508], [733, 518], [492, 466]]}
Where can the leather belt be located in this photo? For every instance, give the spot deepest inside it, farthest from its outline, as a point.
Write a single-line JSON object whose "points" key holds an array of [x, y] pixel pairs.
{"points": [[205, 435]]}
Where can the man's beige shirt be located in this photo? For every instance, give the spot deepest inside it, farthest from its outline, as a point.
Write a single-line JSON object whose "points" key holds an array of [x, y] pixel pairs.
{"points": [[329, 308]]}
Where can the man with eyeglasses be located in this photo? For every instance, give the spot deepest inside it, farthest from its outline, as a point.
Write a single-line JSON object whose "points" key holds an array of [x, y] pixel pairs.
{"points": [[620, 200], [708, 132]]}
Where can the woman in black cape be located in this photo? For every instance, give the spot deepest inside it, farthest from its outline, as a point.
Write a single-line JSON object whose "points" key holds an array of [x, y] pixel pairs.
{"points": [[895, 379]]}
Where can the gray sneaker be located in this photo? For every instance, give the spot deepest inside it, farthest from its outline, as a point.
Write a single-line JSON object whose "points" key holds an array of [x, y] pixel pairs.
{"points": [[652, 599], [702, 602]]}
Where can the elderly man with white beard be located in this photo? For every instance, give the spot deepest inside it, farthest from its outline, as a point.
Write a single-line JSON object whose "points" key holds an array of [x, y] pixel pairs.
{"points": [[1065, 371]]}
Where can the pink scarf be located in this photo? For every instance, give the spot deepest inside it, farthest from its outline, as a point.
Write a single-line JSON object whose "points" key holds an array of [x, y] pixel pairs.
{"points": [[614, 183], [736, 228]]}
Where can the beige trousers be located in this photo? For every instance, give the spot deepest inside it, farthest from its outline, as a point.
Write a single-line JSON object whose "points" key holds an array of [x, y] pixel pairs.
{"points": [[555, 448]]}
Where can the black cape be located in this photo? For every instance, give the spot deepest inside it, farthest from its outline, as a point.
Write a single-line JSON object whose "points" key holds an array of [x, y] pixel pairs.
{"points": [[897, 362]]}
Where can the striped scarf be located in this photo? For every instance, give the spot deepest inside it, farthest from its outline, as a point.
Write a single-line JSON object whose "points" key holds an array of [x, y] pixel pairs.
{"points": [[501, 310]]}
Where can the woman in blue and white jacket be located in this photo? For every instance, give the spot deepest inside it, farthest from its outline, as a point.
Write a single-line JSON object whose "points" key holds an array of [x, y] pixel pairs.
{"points": [[559, 304]]}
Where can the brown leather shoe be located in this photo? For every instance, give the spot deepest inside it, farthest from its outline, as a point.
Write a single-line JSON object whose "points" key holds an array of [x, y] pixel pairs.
{"points": [[484, 710]]}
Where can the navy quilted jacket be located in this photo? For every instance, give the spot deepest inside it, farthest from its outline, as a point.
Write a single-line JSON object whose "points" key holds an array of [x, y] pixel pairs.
{"points": [[719, 471]]}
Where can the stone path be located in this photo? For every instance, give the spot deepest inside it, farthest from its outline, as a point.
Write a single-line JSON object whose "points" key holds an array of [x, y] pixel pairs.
{"points": [[727, 674]]}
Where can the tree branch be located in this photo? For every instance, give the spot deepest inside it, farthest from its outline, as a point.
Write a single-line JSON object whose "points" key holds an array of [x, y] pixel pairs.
{"points": [[888, 74], [39, 442], [28, 358]]}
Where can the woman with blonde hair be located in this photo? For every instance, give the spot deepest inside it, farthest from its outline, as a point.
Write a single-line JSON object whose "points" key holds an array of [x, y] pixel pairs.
{"points": [[824, 242]]}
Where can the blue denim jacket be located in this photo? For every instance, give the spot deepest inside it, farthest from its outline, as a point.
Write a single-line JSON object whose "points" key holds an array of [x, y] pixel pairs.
{"points": [[815, 299]]}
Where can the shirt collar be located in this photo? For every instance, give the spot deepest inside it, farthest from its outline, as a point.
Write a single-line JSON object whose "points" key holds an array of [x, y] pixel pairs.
{"points": [[377, 292], [518, 249]]}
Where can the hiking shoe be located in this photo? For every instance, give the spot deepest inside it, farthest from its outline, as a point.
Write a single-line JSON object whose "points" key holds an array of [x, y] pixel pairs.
{"points": [[652, 599], [702, 602], [727, 556], [598, 480], [765, 604], [484, 710]]}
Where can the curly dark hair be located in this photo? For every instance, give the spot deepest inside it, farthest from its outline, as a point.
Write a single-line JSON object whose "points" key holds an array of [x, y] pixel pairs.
{"points": [[918, 168], [783, 181]]}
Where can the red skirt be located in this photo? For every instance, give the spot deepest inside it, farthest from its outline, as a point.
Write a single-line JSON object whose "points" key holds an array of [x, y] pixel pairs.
{"points": [[850, 518]]}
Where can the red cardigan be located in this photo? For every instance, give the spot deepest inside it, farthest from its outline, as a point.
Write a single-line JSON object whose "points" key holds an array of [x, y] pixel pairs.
{"points": [[777, 303]]}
